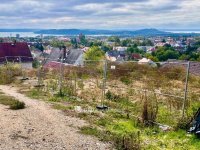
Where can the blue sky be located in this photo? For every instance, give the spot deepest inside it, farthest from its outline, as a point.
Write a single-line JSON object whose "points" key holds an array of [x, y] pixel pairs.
{"points": [[100, 14]]}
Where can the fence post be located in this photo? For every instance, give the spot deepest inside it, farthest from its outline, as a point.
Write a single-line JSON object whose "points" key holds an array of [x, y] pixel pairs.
{"points": [[61, 76], [22, 71], [105, 79], [39, 77], [103, 107], [186, 89]]}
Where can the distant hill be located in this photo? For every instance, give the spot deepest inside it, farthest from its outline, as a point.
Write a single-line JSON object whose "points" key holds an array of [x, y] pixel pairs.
{"points": [[102, 32], [75, 32]]}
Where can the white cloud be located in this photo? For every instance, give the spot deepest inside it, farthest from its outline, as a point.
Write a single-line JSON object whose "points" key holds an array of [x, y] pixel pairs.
{"points": [[93, 14]]}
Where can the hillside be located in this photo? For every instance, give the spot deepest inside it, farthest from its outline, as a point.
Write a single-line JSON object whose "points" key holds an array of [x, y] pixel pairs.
{"points": [[102, 32]]}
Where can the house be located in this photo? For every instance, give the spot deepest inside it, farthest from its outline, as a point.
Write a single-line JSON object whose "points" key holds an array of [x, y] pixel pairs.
{"points": [[136, 56], [72, 57], [145, 61], [16, 52], [145, 48], [115, 55], [160, 44], [119, 48]]}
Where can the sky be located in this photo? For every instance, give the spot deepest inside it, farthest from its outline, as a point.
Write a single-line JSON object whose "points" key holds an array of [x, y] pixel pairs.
{"points": [[100, 14]]}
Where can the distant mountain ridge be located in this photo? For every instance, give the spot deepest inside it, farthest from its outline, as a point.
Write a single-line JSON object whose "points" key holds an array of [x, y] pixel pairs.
{"points": [[75, 32], [101, 32]]}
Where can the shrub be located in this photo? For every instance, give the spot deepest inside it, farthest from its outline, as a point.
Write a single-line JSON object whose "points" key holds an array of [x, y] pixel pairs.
{"points": [[10, 101], [183, 124], [125, 80], [17, 105], [8, 73], [111, 96], [35, 63]]}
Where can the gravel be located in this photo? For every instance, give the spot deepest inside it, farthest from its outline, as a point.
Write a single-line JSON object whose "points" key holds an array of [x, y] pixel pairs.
{"points": [[39, 127]]}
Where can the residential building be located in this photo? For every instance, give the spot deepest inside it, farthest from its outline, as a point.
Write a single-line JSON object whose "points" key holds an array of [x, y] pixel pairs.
{"points": [[18, 52]]}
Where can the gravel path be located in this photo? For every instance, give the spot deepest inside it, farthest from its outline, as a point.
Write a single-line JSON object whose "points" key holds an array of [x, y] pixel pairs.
{"points": [[39, 127]]}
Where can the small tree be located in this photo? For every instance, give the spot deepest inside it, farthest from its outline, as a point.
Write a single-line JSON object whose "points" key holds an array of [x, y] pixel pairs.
{"points": [[94, 53]]}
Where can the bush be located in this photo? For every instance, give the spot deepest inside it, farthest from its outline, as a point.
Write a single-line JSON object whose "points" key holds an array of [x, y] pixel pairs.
{"points": [[130, 141], [17, 105], [111, 96], [35, 63], [183, 124], [8, 73], [125, 80]]}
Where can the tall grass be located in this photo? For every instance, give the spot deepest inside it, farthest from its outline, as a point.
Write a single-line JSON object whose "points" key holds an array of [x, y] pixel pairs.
{"points": [[8, 72]]}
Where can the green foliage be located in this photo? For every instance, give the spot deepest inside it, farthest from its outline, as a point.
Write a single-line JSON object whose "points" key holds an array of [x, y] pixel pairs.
{"points": [[57, 43], [90, 131], [183, 123], [17, 105], [126, 42], [82, 39], [94, 53], [125, 80], [114, 39], [106, 48], [62, 107], [134, 49], [11, 102], [8, 72], [165, 53], [111, 96], [35, 63]]}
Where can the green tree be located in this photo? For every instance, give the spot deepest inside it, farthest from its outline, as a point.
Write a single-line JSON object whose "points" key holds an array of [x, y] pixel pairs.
{"points": [[134, 49], [82, 39], [184, 57], [165, 53], [126, 42], [57, 43], [115, 39], [94, 53], [106, 48]]}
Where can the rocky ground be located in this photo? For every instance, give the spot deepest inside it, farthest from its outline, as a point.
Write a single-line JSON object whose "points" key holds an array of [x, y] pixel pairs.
{"points": [[39, 127]]}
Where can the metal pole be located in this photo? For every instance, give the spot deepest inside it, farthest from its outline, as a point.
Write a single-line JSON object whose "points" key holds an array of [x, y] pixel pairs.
{"points": [[102, 106], [105, 77], [104, 82], [186, 90], [61, 75], [23, 74]]}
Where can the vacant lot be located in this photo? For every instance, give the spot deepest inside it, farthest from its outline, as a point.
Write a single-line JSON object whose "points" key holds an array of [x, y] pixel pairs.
{"points": [[39, 127]]}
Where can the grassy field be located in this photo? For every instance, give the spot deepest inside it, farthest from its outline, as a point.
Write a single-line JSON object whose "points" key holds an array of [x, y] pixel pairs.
{"points": [[11, 102], [134, 101]]}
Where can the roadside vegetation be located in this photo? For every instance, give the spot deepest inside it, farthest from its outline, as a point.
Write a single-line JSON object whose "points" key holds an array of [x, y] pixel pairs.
{"points": [[134, 110], [137, 117], [11, 102], [8, 72]]}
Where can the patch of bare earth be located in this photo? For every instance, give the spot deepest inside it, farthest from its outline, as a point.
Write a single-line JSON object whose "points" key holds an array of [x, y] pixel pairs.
{"points": [[39, 127]]}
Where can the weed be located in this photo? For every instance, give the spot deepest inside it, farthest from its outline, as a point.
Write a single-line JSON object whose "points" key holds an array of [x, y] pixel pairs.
{"points": [[17, 105], [11, 102]]}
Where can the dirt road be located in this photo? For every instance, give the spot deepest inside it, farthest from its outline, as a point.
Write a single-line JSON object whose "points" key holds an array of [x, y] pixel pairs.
{"points": [[39, 127]]}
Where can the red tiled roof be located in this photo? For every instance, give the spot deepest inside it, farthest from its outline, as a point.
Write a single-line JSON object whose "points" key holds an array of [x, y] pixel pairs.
{"points": [[136, 56], [13, 50]]}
